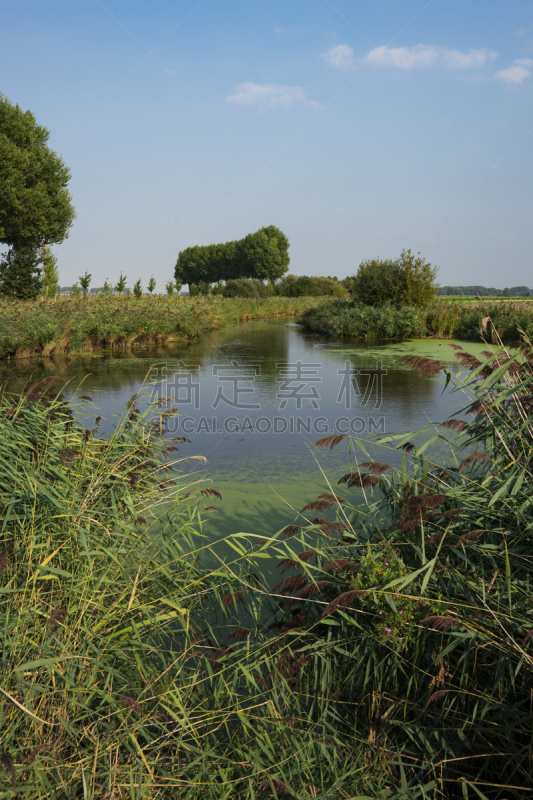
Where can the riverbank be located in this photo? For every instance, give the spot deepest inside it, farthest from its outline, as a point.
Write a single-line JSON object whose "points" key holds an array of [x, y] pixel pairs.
{"points": [[443, 319], [74, 325]]}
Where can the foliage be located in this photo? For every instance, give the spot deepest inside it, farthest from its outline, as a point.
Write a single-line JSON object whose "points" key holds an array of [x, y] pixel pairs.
{"points": [[392, 660], [107, 288], [344, 318], [407, 281], [151, 285], [304, 286], [121, 283], [244, 287], [170, 287], [443, 319], [85, 282], [261, 255], [21, 273], [35, 206], [137, 289], [50, 274], [70, 324]]}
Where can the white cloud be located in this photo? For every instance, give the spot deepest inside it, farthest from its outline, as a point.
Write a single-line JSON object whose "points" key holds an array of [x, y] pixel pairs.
{"points": [[270, 95], [516, 72], [340, 56], [421, 55]]}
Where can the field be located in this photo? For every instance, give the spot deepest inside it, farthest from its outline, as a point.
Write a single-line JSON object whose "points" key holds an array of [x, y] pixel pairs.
{"points": [[66, 325]]}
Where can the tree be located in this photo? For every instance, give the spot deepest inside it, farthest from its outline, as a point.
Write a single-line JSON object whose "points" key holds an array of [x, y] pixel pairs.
{"points": [[137, 290], [107, 288], [85, 282], [121, 283], [169, 287], [263, 255], [151, 284], [20, 272], [35, 205], [406, 281], [50, 275], [420, 278], [506, 293]]}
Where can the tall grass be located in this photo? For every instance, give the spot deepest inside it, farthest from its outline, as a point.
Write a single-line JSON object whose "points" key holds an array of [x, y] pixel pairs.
{"points": [[443, 319], [69, 324], [392, 660], [128, 670]]}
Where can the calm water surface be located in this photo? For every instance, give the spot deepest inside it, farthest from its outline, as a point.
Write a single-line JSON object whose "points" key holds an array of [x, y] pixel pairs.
{"points": [[254, 398]]}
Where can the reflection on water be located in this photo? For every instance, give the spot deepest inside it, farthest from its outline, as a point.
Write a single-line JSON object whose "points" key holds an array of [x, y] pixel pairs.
{"points": [[254, 398]]}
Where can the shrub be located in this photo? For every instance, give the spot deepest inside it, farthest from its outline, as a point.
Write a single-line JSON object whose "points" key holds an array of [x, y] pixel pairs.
{"points": [[244, 287], [344, 318], [305, 286], [406, 281]]}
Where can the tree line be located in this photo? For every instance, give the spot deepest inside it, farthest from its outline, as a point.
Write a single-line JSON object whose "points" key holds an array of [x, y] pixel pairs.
{"points": [[484, 291], [263, 255]]}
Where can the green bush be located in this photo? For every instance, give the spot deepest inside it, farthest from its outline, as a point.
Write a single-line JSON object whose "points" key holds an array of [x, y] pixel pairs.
{"points": [[245, 287], [406, 281], [344, 318], [310, 286]]}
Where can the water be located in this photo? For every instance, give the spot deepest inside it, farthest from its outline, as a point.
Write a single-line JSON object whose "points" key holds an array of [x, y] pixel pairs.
{"points": [[254, 398]]}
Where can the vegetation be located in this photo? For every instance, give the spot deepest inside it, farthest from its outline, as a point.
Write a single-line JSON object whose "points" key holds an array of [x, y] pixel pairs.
{"points": [[345, 318], [36, 208], [21, 273], [245, 287], [305, 286], [50, 275], [104, 321], [407, 281], [482, 291], [263, 255], [392, 660], [443, 319]]}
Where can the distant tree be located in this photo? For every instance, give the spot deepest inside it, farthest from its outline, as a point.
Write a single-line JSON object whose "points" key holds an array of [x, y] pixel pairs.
{"points": [[263, 255], [506, 293], [137, 289], [21, 273], [121, 283], [75, 290], [170, 287], [50, 274], [178, 285], [107, 288], [85, 282], [151, 285]]}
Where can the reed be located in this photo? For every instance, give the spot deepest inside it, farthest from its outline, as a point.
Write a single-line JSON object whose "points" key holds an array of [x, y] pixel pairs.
{"points": [[443, 319], [90, 323], [393, 659]]}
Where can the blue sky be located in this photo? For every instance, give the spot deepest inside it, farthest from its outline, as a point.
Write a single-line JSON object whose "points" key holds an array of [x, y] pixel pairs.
{"points": [[358, 128]]}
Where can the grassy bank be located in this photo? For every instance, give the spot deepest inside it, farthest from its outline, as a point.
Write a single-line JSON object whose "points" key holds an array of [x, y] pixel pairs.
{"points": [[444, 319], [393, 660], [67, 325]]}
